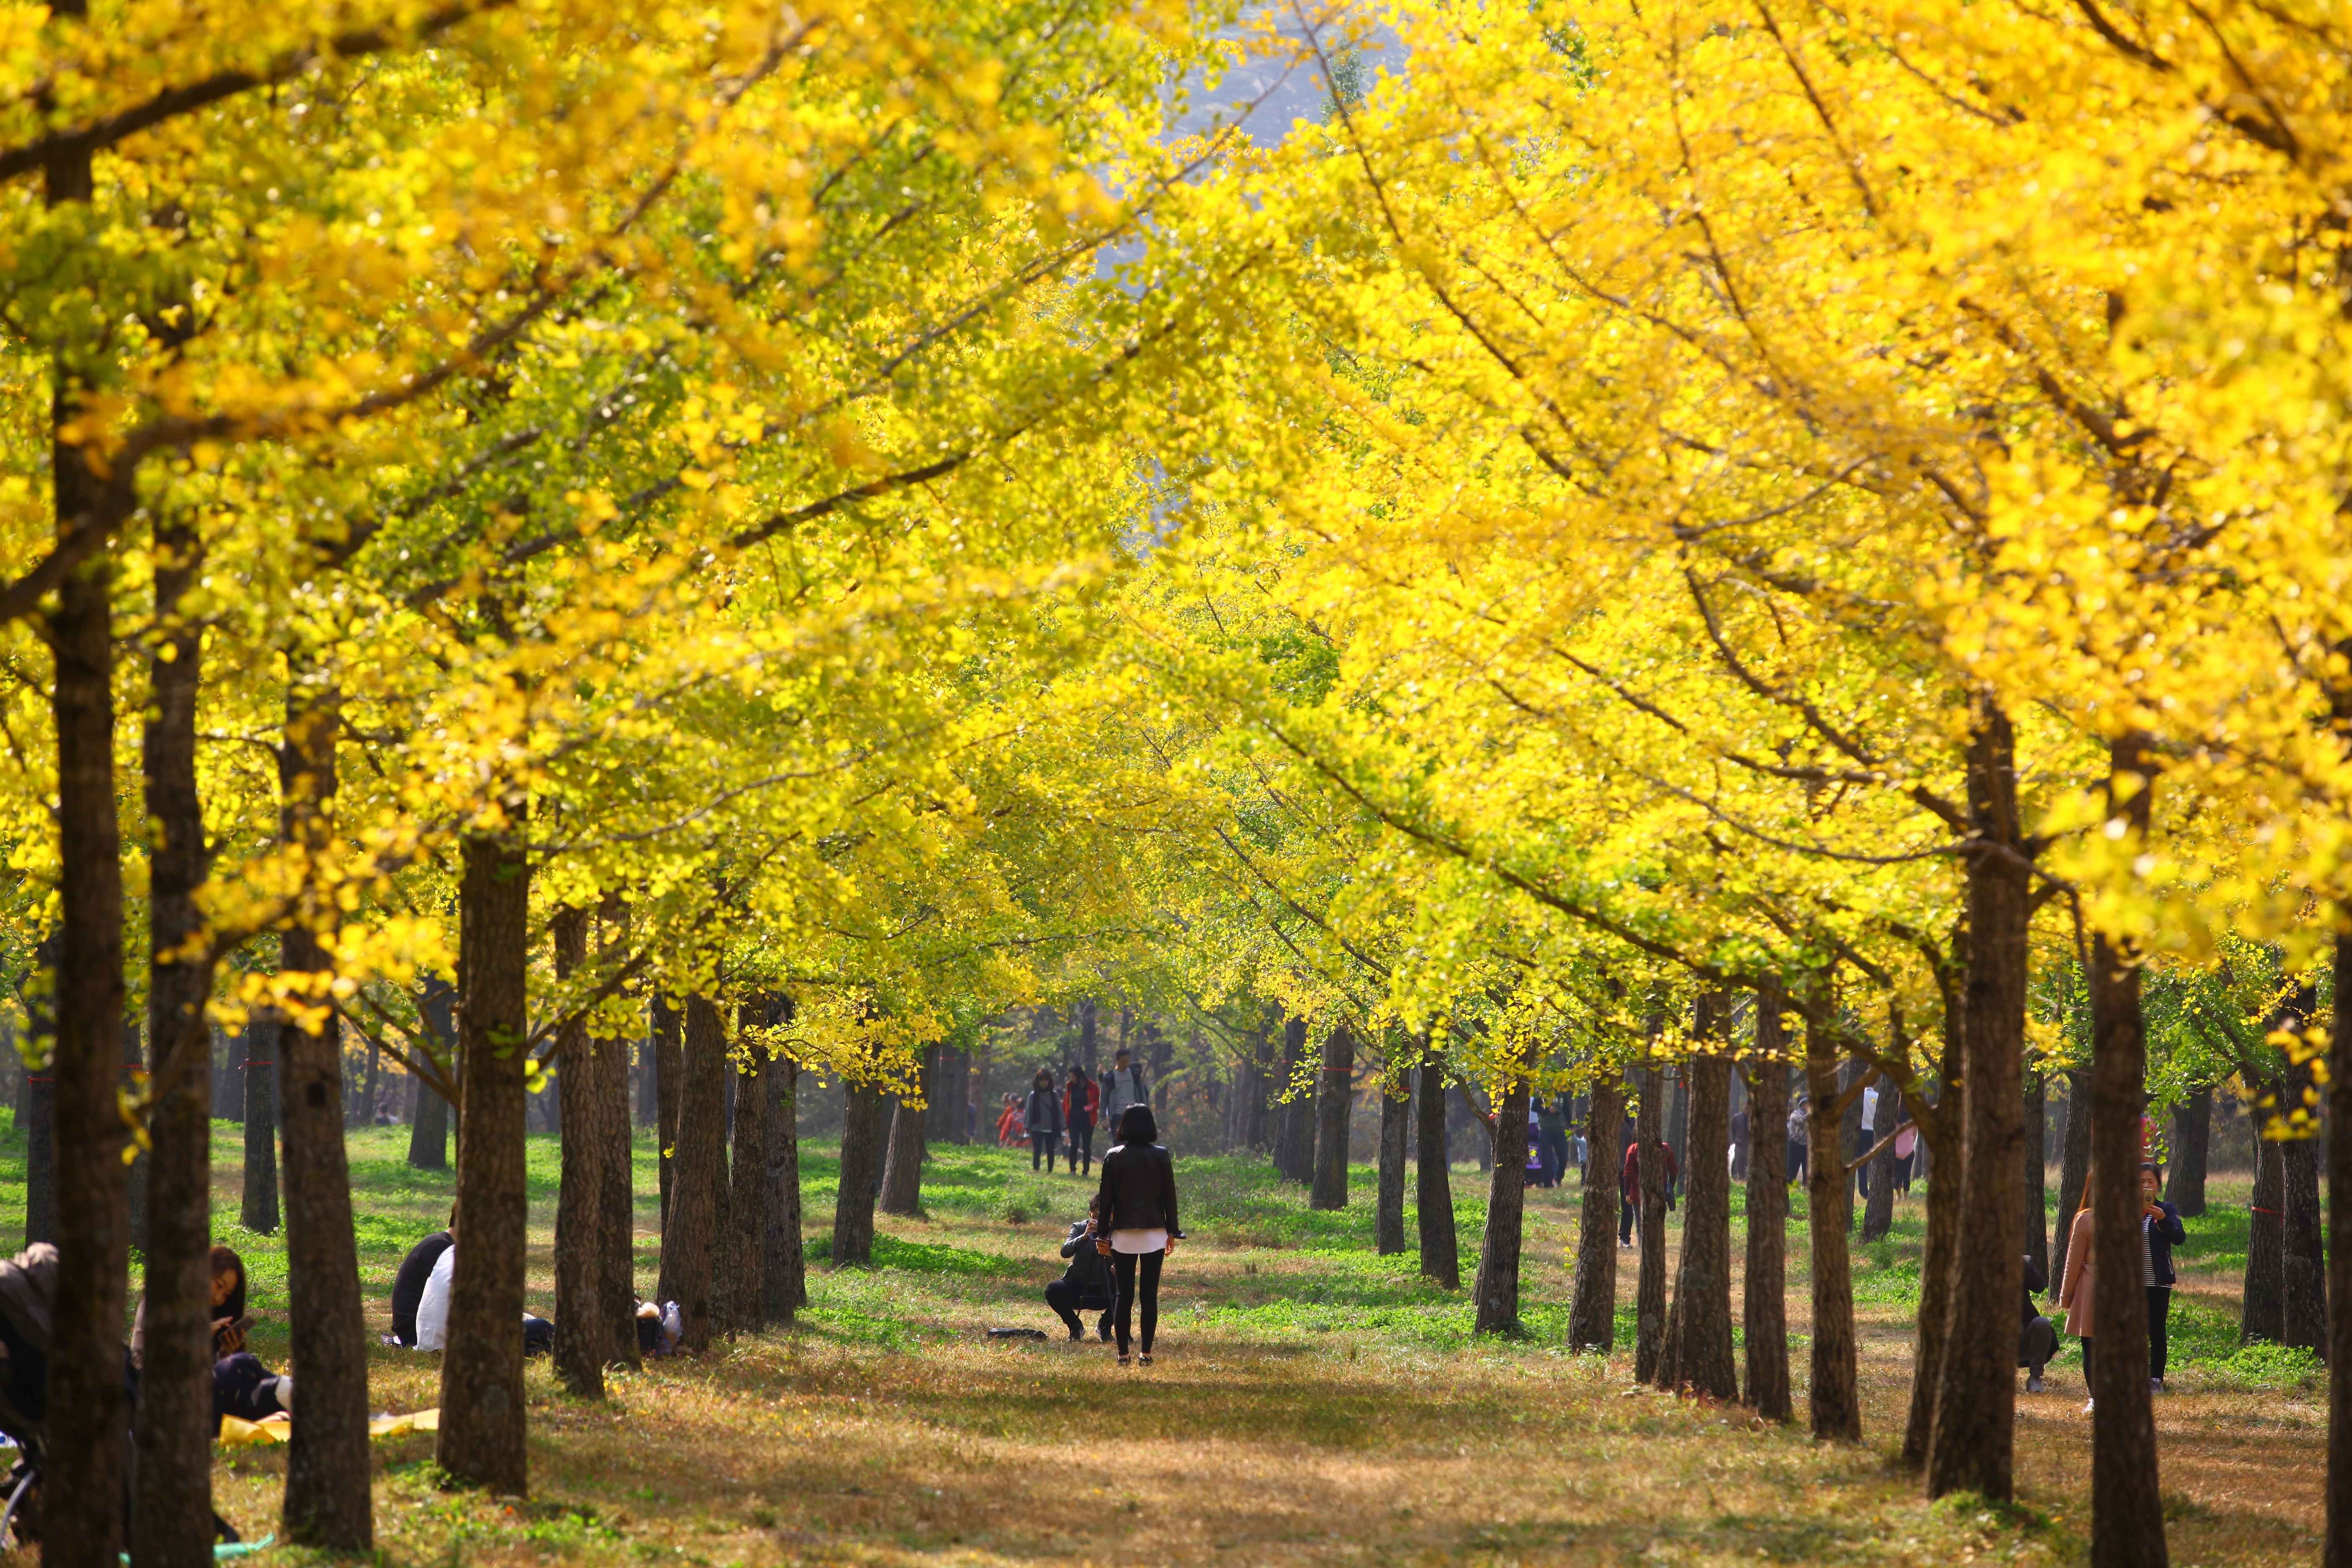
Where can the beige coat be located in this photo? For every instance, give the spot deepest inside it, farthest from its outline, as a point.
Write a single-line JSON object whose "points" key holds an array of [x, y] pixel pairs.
{"points": [[2075, 1293]]}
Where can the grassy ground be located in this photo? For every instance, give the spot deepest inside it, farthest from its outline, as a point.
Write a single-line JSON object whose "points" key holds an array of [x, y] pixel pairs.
{"points": [[1312, 1403]]}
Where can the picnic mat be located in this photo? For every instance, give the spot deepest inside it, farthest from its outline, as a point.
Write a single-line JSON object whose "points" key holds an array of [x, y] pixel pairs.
{"points": [[237, 1434]]}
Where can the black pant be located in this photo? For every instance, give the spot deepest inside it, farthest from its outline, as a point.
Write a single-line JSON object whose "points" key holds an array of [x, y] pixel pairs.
{"points": [[1629, 1214], [1082, 1146], [1798, 1151], [1552, 1144], [1041, 1147], [2159, 1315], [1068, 1303], [1123, 1270]]}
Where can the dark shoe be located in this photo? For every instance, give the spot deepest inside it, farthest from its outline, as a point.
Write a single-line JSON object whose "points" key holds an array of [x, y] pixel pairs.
{"points": [[1077, 1335], [1144, 1360], [1122, 1358], [1102, 1330]]}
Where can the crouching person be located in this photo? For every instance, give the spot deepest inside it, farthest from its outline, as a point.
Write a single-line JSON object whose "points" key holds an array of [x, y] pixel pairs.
{"points": [[1085, 1287]]}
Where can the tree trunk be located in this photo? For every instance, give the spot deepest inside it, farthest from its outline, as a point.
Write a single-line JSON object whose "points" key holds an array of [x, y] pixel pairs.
{"points": [[482, 1413], [1497, 1288], [1699, 1348], [2074, 1167], [583, 1332], [2192, 1144], [1335, 1093], [944, 1095], [2262, 1312], [1878, 1210], [87, 1402], [2126, 1509], [1593, 1309], [1972, 1447], [327, 1500], [2338, 1550], [1388, 1207], [669, 1075], [1833, 1404], [747, 1194], [172, 1516], [258, 1211], [1764, 1304], [691, 1238], [1432, 1181], [864, 1125], [1086, 1050], [2037, 1165], [1937, 1287], [616, 1228], [135, 1181], [2302, 1270], [428, 1136], [1294, 1145], [1650, 1284], [902, 1170], [783, 1272]]}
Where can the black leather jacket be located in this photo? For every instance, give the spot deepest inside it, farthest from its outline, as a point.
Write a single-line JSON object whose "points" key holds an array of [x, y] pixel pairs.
{"points": [[1139, 1189], [1088, 1272]]}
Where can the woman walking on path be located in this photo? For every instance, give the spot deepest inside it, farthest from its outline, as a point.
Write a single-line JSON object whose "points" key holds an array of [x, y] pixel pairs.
{"points": [[1078, 1108], [1138, 1230], [1043, 1116]]}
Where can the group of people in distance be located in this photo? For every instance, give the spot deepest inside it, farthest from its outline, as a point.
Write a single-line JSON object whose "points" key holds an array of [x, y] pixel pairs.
{"points": [[1063, 1120], [2160, 1231], [1117, 1251]]}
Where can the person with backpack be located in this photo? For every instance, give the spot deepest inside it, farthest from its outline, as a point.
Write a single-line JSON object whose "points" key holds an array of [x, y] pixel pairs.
{"points": [[1080, 1098], [1136, 1222], [1043, 1115], [1084, 1285]]}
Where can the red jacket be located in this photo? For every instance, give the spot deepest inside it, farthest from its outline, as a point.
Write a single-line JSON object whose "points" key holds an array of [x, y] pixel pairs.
{"points": [[1629, 1179]]}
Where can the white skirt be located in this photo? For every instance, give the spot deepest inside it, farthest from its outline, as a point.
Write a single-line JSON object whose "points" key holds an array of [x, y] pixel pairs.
{"points": [[1138, 1241]]}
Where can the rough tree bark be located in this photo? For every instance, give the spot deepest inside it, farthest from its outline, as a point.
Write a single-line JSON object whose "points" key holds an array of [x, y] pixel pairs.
{"points": [[583, 1335], [482, 1413], [669, 1075], [691, 1237], [747, 1195], [2192, 1146], [1650, 1284], [2261, 1309], [1973, 1443], [328, 1503], [86, 1401], [1935, 1284], [1833, 1405], [258, 1210], [428, 1135], [2074, 1167], [1335, 1093], [1763, 1303], [902, 1168], [1432, 1180], [1388, 1207], [1592, 1307], [2126, 1509], [1698, 1355], [172, 1522], [1294, 1143], [863, 1129], [616, 1230], [1497, 1287], [783, 1272]]}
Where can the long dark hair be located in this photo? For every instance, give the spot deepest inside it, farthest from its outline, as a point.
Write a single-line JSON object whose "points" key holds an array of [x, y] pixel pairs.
{"points": [[1078, 1073], [1136, 1125], [1044, 1079], [225, 1261]]}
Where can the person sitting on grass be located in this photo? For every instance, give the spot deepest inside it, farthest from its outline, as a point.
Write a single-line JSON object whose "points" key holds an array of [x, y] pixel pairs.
{"points": [[1084, 1285], [242, 1386], [408, 1285]]}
